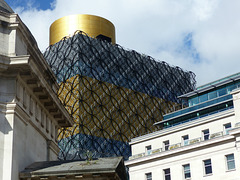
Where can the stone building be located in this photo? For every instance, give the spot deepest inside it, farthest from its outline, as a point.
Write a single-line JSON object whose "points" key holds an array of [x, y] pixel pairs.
{"points": [[198, 142], [30, 110]]}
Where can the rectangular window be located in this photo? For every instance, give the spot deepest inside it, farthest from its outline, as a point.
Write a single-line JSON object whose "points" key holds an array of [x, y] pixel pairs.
{"points": [[230, 162], [167, 174], [208, 166], [203, 98], [193, 101], [185, 140], [222, 91], [227, 127], [148, 150], [205, 134], [148, 176], [166, 145], [212, 95], [186, 171]]}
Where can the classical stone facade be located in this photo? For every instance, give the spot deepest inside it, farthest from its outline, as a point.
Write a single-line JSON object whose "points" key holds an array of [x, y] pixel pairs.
{"points": [[30, 111]]}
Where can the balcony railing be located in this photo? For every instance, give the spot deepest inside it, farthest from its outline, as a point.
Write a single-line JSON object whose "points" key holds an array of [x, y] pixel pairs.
{"points": [[178, 145]]}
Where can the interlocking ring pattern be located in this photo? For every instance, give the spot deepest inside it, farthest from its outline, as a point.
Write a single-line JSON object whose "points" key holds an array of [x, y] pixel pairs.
{"points": [[113, 94]]}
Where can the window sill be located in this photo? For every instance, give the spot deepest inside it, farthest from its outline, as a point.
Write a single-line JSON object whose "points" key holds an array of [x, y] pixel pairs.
{"points": [[230, 170], [206, 175]]}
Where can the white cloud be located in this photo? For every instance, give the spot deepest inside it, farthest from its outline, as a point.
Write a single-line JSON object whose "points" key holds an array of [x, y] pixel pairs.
{"points": [[161, 28]]}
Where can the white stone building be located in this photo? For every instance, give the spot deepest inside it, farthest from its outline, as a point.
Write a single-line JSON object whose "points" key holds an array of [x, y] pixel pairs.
{"points": [[30, 111], [200, 142]]}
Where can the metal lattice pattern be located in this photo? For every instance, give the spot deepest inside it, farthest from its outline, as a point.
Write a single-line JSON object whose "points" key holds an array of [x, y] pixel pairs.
{"points": [[113, 94]]}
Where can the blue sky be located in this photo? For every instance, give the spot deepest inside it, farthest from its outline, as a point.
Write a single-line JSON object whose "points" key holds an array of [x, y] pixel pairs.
{"points": [[201, 36], [27, 4]]}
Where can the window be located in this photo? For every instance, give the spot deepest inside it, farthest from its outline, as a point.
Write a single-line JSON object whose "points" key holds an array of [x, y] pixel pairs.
{"points": [[166, 145], [167, 174], [185, 140], [193, 101], [205, 134], [186, 171], [222, 91], [212, 95], [148, 176], [230, 162], [203, 98], [208, 166], [227, 127], [148, 150]]}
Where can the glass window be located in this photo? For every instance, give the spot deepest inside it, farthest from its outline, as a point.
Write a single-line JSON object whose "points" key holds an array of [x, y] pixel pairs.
{"points": [[193, 101], [148, 176], [227, 127], [212, 95], [166, 145], [222, 91], [148, 149], [203, 98], [167, 174], [186, 171], [230, 88], [185, 140], [208, 166], [230, 162], [205, 134]]}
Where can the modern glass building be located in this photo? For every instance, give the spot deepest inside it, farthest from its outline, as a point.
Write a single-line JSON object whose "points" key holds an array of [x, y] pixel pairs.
{"points": [[204, 101], [113, 94]]}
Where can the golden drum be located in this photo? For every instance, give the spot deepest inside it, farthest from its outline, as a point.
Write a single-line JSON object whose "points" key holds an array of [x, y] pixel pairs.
{"points": [[93, 26]]}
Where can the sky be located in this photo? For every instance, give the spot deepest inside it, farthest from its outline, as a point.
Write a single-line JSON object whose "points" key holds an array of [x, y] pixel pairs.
{"points": [[201, 36]]}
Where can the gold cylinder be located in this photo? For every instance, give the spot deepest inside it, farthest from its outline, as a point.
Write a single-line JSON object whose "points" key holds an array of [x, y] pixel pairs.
{"points": [[92, 25]]}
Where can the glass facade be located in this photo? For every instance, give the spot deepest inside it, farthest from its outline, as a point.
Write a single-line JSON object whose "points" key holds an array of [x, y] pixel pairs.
{"points": [[113, 95], [218, 92]]}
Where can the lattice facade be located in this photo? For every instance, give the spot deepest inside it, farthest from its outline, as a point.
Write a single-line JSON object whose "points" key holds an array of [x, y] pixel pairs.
{"points": [[113, 94]]}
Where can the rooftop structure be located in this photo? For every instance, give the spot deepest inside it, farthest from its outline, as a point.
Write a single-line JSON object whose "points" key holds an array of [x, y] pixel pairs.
{"points": [[205, 100], [94, 26], [101, 169]]}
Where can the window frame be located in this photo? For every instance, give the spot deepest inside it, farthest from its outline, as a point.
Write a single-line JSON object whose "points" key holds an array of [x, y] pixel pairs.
{"points": [[148, 149], [186, 171], [185, 141], [205, 166], [227, 129], [147, 174], [167, 175], [227, 165], [205, 135]]}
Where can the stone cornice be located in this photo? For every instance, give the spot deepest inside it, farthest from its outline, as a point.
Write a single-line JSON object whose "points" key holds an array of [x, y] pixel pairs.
{"points": [[34, 70]]}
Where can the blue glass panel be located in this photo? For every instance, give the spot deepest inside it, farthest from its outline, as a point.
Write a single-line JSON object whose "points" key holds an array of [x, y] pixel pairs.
{"points": [[197, 107]]}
